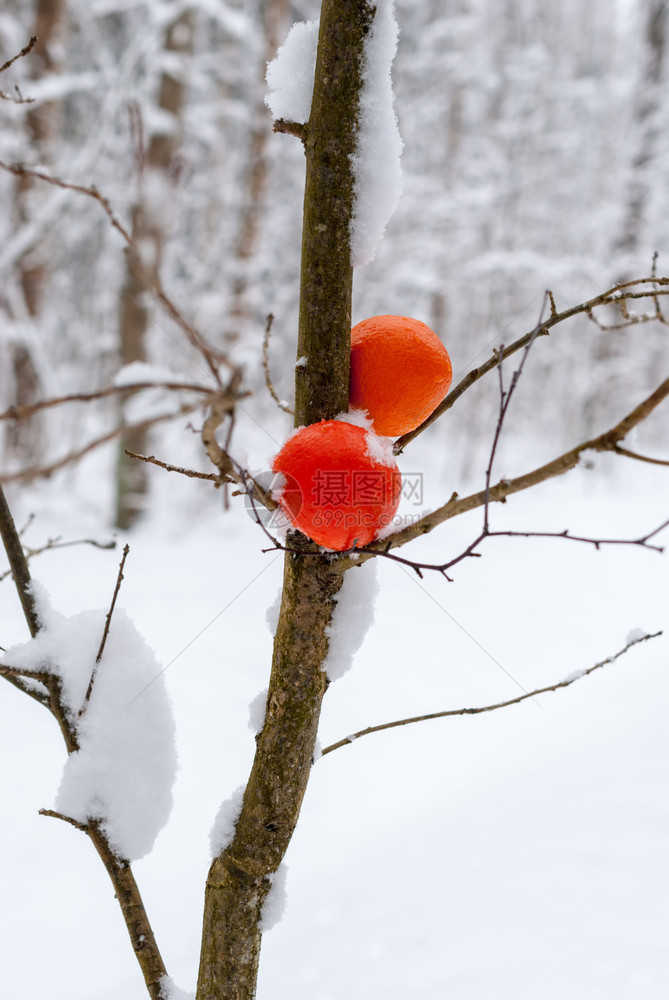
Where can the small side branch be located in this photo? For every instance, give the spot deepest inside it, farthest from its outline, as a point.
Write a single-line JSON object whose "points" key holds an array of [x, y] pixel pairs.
{"points": [[265, 364], [567, 682], [298, 129], [20, 55], [191, 473], [66, 819], [640, 458], [98, 658]]}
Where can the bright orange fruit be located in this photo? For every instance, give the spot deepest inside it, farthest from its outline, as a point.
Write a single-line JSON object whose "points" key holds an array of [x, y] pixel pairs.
{"points": [[341, 487], [400, 372]]}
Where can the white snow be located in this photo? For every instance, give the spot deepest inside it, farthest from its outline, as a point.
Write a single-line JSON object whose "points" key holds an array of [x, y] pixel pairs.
{"points": [[124, 770], [272, 613], [377, 162], [170, 991], [290, 76], [380, 449], [352, 618], [301, 361], [257, 709], [223, 828], [275, 901], [634, 635]]}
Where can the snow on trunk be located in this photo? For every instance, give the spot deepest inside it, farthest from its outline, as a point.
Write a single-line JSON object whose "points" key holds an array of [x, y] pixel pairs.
{"points": [[376, 164], [352, 618]]}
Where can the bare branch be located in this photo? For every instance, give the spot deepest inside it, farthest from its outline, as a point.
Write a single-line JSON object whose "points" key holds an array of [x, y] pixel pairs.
{"points": [[24, 52], [211, 356], [56, 543], [152, 460], [567, 682], [22, 412], [105, 633], [298, 129], [265, 364], [640, 458], [621, 292], [608, 441], [46, 470], [66, 819]]}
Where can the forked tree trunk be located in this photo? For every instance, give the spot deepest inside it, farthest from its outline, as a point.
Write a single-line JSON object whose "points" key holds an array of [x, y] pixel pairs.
{"points": [[240, 877]]}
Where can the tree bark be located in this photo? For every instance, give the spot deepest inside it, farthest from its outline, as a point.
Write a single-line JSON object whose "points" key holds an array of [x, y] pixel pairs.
{"points": [[240, 877], [148, 233]]}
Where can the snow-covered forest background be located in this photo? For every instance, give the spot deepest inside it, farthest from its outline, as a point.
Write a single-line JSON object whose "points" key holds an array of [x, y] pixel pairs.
{"points": [[516, 857]]}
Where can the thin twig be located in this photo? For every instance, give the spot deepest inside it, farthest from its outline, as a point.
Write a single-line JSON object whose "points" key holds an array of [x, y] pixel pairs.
{"points": [[191, 473], [265, 364], [24, 52], [211, 356], [56, 543], [98, 658], [608, 441], [640, 458], [66, 819], [567, 682], [37, 472], [22, 412], [612, 296]]}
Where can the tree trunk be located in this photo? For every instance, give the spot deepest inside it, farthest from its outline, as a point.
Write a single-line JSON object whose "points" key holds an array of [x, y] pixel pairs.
{"points": [[148, 233], [240, 876], [649, 101]]}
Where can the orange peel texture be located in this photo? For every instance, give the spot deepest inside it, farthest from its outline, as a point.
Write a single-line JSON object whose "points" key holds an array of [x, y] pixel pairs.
{"points": [[400, 372], [341, 487]]}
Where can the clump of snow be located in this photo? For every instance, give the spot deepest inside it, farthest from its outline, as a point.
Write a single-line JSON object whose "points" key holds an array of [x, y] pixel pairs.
{"points": [[359, 418], [575, 675], [223, 828], [123, 772], [272, 613], [352, 617], [170, 991], [290, 76], [257, 709], [274, 906], [377, 161], [635, 635], [301, 362], [380, 449]]}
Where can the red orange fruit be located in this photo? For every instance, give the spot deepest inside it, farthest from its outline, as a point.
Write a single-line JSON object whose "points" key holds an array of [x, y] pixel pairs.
{"points": [[341, 487], [400, 372]]}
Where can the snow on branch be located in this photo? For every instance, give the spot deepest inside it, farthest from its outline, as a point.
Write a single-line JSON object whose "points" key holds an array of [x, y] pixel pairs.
{"points": [[576, 675]]}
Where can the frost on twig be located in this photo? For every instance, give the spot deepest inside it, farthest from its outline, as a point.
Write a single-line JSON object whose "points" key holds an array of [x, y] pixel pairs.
{"points": [[576, 675]]}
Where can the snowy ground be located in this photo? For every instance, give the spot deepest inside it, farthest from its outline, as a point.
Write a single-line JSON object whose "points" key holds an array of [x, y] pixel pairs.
{"points": [[519, 854]]}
